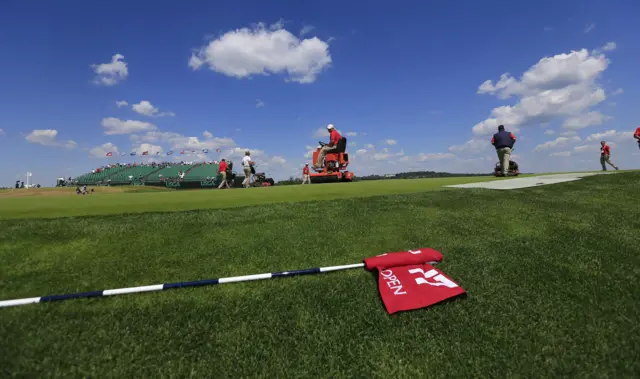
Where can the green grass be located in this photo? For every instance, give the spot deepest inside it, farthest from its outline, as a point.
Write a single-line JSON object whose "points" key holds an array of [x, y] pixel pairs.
{"points": [[551, 274], [163, 201]]}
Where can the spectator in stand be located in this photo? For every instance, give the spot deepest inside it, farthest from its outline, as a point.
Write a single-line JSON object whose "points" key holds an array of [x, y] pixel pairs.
{"points": [[222, 170], [305, 174], [636, 135], [246, 166], [605, 153]]}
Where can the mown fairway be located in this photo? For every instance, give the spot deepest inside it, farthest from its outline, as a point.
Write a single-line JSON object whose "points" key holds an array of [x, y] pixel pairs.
{"points": [[118, 200], [551, 275]]}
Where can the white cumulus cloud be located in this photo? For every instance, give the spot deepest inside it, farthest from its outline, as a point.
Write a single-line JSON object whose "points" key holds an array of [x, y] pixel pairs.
{"points": [[147, 109], [262, 50], [609, 46], [391, 142], [259, 103], [102, 150], [584, 120], [48, 137], [111, 73], [471, 146], [114, 126], [556, 87], [558, 143], [121, 103]]}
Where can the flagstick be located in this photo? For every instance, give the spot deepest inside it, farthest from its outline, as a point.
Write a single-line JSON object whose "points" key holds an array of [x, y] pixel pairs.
{"points": [[166, 286]]}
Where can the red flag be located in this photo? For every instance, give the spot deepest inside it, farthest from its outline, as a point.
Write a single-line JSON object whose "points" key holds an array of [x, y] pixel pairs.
{"points": [[182, 152], [109, 154], [145, 153], [403, 258], [416, 286]]}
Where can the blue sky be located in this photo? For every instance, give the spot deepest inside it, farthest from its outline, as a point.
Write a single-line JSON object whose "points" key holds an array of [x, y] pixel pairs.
{"points": [[402, 78]]}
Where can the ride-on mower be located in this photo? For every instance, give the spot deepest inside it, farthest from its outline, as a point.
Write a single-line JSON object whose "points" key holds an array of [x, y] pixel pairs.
{"points": [[513, 169], [334, 167]]}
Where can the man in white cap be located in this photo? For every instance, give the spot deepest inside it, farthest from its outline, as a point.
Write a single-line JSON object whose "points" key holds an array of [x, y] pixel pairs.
{"points": [[246, 166], [334, 137]]}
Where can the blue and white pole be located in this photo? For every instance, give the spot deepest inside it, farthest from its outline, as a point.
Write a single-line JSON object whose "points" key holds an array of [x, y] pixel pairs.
{"points": [[161, 287]]}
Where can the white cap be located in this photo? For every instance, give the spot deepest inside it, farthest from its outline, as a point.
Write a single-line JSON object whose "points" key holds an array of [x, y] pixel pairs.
{"points": [[330, 126]]}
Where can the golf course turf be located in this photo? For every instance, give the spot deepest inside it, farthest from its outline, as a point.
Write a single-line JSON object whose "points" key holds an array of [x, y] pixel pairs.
{"points": [[551, 274]]}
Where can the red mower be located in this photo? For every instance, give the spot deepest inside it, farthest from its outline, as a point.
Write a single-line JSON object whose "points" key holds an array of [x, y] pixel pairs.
{"points": [[334, 167]]}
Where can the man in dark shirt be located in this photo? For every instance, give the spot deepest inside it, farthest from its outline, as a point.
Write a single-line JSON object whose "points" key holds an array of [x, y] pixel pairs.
{"points": [[503, 142]]}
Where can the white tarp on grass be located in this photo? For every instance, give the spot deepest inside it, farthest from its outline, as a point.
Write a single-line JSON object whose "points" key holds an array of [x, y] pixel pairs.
{"points": [[526, 182]]}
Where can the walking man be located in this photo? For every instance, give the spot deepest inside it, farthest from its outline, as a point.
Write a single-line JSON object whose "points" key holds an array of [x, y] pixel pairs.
{"points": [[222, 170], [305, 174], [605, 153], [246, 166], [503, 142]]}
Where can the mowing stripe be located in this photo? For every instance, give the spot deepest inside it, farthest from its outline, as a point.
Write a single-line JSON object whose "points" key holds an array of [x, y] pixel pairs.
{"points": [[161, 287]]}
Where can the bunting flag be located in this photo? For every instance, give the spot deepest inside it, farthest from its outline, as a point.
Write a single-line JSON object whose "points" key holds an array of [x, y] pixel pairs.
{"points": [[133, 153]]}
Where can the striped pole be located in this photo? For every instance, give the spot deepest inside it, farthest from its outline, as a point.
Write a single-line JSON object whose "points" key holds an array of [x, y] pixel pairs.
{"points": [[161, 287]]}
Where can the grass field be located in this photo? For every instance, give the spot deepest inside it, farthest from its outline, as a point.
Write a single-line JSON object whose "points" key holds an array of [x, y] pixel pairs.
{"points": [[551, 274]]}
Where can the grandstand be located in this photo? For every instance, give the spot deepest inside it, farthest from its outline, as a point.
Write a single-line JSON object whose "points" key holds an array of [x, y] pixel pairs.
{"points": [[155, 174], [100, 176], [133, 174], [202, 172], [168, 172]]}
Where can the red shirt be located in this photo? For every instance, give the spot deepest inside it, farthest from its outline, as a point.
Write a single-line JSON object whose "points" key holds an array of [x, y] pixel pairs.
{"points": [[222, 167], [335, 137], [305, 170], [605, 150], [637, 133]]}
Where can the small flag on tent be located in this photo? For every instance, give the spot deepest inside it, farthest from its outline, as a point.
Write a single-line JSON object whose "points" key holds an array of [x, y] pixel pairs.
{"points": [[169, 152], [109, 154], [123, 154], [218, 150], [206, 151], [182, 152], [193, 151], [145, 153], [158, 153], [132, 154]]}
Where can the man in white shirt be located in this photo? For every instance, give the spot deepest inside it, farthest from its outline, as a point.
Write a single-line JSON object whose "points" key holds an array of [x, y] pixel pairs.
{"points": [[246, 166]]}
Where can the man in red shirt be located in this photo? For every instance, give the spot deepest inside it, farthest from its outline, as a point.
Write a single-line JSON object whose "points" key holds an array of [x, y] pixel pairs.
{"points": [[331, 146], [222, 170], [305, 174], [605, 152], [636, 135]]}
